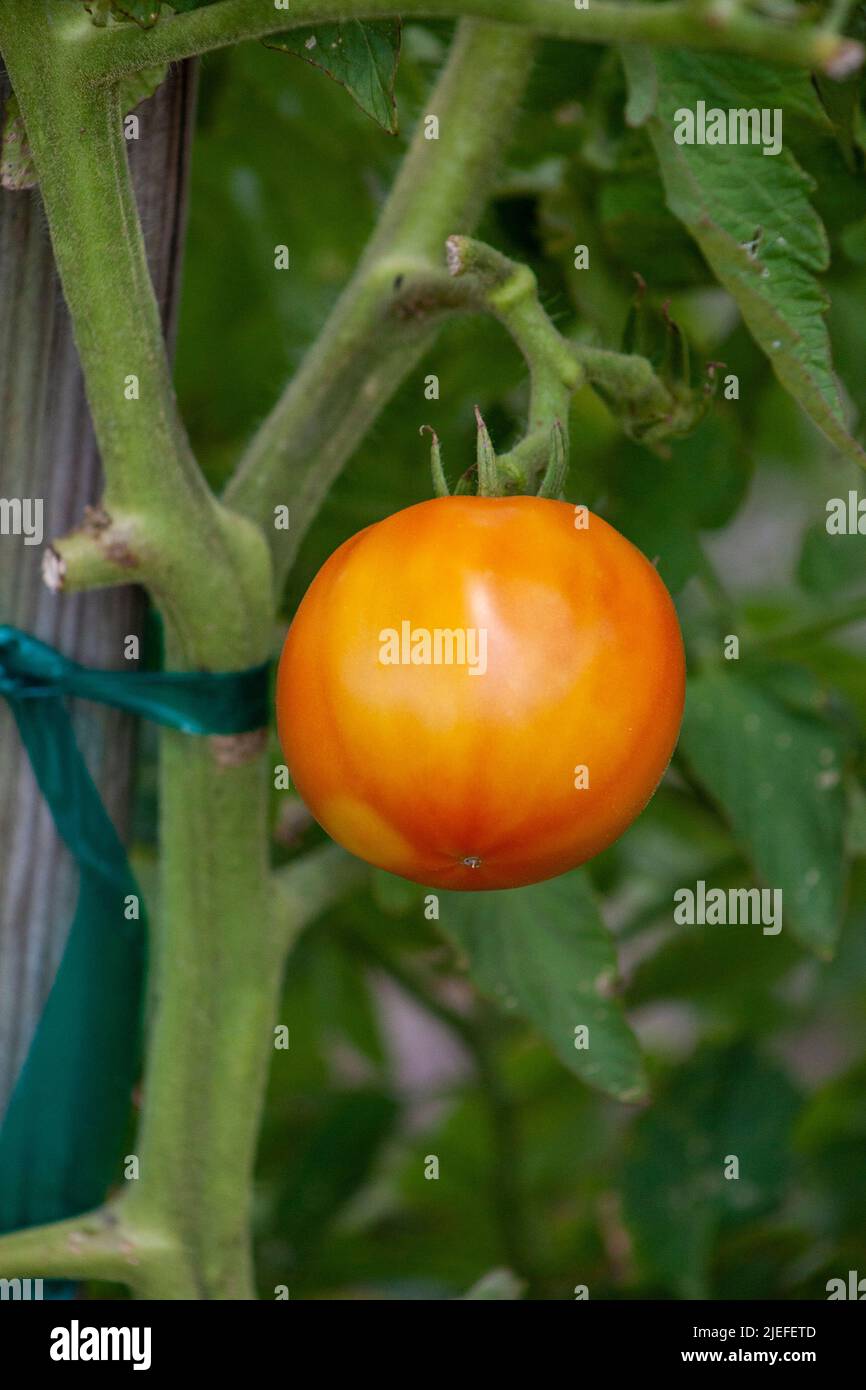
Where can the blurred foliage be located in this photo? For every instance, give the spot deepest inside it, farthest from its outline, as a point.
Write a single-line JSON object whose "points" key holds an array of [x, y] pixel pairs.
{"points": [[422, 1134]]}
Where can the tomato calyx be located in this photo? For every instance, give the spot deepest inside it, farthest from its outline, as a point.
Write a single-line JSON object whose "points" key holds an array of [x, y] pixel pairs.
{"points": [[494, 479]]}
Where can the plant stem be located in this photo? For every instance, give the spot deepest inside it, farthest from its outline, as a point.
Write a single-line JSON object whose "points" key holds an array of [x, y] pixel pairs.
{"points": [[626, 377], [217, 973], [510, 292], [382, 323], [113, 52], [97, 1245], [161, 523], [215, 964]]}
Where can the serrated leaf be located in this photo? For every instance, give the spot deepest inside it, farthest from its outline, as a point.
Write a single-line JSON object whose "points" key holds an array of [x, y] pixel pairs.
{"points": [[545, 953], [777, 775], [676, 1196], [751, 217], [361, 56]]}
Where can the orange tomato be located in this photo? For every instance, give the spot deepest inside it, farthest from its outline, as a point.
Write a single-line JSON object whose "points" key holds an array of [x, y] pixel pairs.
{"points": [[481, 692]]}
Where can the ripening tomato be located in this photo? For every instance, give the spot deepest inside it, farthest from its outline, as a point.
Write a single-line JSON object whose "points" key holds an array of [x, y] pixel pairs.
{"points": [[481, 692]]}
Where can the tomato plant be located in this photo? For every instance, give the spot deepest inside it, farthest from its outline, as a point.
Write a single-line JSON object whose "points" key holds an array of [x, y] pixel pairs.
{"points": [[633, 233]]}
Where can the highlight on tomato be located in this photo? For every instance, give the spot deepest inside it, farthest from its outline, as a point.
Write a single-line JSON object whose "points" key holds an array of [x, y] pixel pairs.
{"points": [[481, 692]]}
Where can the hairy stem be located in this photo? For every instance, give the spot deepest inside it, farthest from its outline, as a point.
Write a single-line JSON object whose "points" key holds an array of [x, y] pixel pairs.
{"points": [[625, 377], [510, 292], [215, 969], [382, 323], [679, 23], [161, 523]]}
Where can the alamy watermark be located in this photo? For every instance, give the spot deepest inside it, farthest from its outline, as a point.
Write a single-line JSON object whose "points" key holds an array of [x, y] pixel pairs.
{"points": [[77, 1343], [852, 1287], [23, 1290], [438, 646], [702, 906], [734, 126], [22, 516], [846, 516]]}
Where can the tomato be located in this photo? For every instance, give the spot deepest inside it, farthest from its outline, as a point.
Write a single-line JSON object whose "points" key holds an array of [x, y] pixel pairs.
{"points": [[481, 692]]}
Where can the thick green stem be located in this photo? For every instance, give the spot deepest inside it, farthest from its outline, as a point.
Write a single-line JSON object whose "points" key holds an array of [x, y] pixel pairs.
{"points": [[217, 972], [215, 964], [719, 26], [160, 524], [382, 323]]}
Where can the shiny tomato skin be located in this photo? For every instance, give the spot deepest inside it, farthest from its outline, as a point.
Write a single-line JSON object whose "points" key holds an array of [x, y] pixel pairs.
{"points": [[468, 781]]}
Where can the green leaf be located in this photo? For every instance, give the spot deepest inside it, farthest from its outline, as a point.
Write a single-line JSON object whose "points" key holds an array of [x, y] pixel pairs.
{"points": [[831, 565], [662, 505], [728, 970], [751, 217], [360, 56], [676, 1197], [777, 775], [337, 1157], [545, 953]]}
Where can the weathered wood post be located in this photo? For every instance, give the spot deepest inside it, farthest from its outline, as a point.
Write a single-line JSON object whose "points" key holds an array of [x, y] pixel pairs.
{"points": [[47, 451]]}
